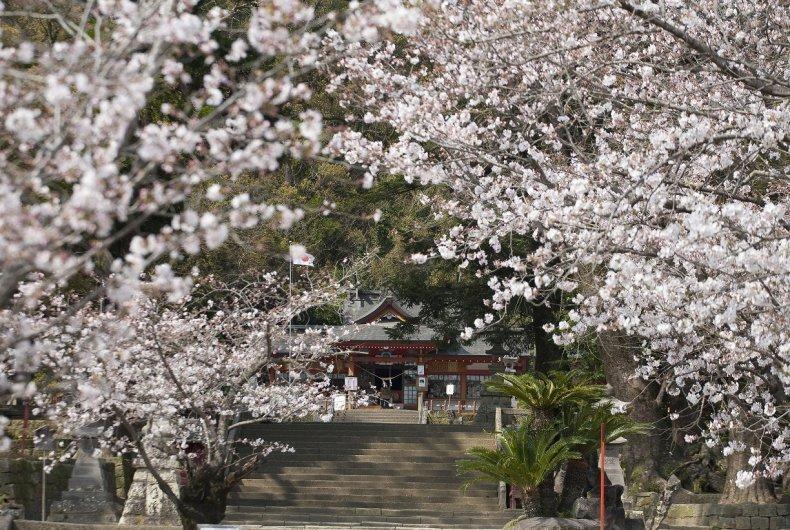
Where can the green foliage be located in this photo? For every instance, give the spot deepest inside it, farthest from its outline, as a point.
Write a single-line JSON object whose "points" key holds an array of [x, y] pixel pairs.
{"points": [[524, 459], [547, 394], [569, 403], [582, 422]]}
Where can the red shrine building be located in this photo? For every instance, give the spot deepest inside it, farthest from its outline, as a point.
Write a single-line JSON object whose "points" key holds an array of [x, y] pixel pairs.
{"points": [[401, 366]]}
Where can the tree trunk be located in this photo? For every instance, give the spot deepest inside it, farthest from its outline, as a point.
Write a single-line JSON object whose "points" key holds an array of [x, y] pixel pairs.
{"points": [[207, 496], [574, 484], [530, 502], [547, 352], [761, 492], [644, 456], [548, 499]]}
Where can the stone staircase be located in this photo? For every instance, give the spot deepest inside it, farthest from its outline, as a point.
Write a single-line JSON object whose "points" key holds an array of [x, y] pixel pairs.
{"points": [[366, 475], [375, 415]]}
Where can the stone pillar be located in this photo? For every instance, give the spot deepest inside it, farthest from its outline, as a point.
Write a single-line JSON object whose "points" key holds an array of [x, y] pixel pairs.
{"points": [[488, 403], [146, 504], [612, 466]]}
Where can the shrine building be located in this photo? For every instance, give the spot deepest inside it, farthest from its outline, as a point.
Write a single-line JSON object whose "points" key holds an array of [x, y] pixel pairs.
{"points": [[402, 365]]}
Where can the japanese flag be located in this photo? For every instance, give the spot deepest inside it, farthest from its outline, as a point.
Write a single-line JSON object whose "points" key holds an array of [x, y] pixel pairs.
{"points": [[300, 256]]}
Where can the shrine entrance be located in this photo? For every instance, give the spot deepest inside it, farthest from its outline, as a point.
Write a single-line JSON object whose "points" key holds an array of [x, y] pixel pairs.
{"points": [[387, 379]]}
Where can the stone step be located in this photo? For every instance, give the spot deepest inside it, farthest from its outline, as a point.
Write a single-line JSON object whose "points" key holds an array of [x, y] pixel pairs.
{"points": [[359, 481], [383, 447], [685, 510], [339, 427], [372, 457], [376, 467], [358, 443], [686, 514], [289, 524], [410, 417], [246, 499], [379, 419], [383, 442], [454, 491], [405, 435], [363, 474], [687, 497], [495, 521], [387, 512], [394, 414]]}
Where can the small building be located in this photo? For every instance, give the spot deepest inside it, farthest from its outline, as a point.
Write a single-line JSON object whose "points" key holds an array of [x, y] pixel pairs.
{"points": [[402, 363]]}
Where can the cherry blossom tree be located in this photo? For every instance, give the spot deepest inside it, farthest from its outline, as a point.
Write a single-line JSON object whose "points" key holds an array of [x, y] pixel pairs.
{"points": [[132, 108], [641, 149], [121, 139], [174, 382]]}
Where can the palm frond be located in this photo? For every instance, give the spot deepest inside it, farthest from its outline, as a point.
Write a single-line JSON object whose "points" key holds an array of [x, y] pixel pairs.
{"points": [[524, 458], [539, 392]]}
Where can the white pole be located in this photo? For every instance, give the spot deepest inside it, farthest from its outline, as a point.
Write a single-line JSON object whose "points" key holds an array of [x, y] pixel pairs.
{"points": [[44, 489], [290, 299]]}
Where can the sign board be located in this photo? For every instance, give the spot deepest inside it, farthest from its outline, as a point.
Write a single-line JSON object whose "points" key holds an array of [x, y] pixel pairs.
{"points": [[450, 389], [422, 382], [351, 383], [420, 369], [339, 402]]}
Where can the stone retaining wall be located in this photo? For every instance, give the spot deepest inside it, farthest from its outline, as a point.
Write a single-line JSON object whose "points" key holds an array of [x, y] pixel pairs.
{"points": [[20, 484], [39, 525], [749, 516]]}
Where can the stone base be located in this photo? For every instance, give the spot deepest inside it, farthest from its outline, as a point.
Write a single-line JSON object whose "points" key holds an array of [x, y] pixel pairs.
{"points": [[84, 507], [550, 523], [90, 497], [588, 508], [146, 504]]}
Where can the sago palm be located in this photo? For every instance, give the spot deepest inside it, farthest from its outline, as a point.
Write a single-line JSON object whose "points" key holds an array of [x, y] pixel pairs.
{"points": [[581, 424], [524, 459], [544, 395]]}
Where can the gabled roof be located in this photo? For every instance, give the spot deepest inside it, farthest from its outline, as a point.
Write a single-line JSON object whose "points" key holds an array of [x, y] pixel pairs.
{"points": [[382, 332], [365, 307]]}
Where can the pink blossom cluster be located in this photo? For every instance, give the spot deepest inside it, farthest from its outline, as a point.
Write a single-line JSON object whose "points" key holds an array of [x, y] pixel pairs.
{"points": [[640, 148], [108, 131], [177, 379]]}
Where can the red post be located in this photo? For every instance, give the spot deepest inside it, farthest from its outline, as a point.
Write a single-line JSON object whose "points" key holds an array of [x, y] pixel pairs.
{"points": [[601, 464]]}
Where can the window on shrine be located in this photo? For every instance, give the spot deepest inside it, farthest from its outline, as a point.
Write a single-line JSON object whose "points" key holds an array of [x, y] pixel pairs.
{"points": [[437, 385], [474, 385], [410, 386]]}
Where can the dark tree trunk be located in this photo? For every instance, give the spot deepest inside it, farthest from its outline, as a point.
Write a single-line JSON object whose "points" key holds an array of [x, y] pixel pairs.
{"points": [[207, 496], [547, 353], [644, 456], [761, 492], [547, 496], [574, 483], [530, 502]]}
